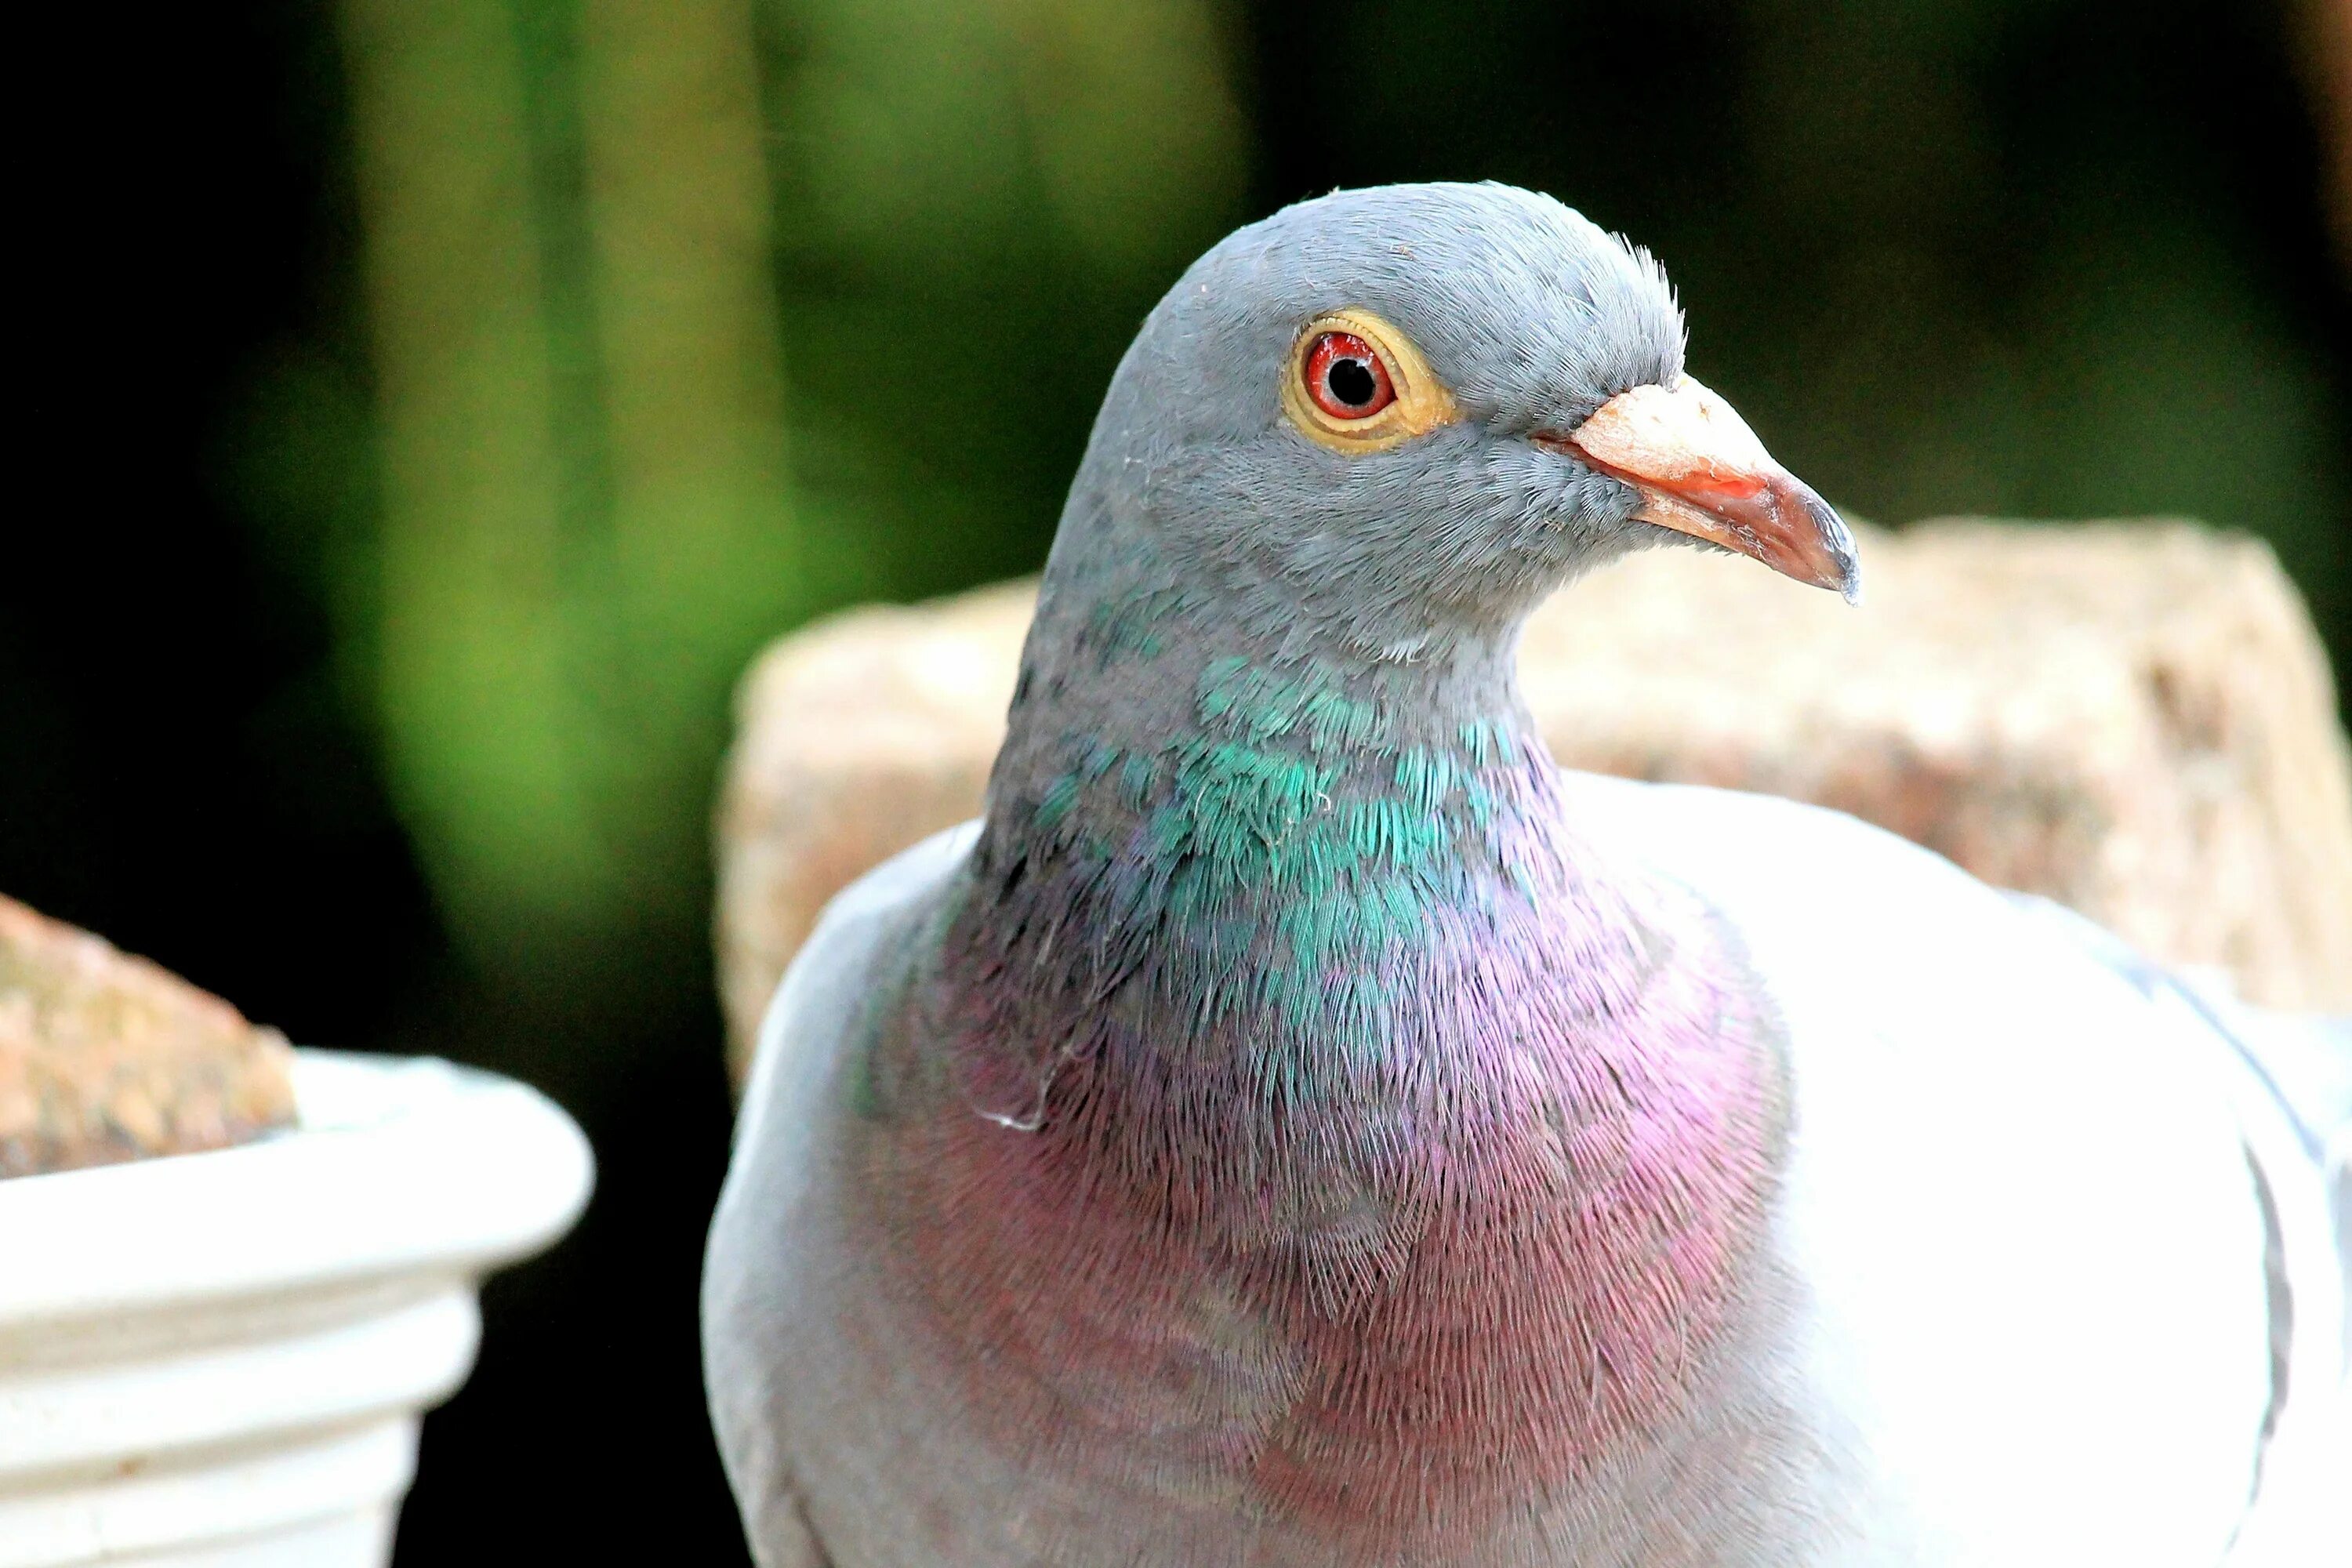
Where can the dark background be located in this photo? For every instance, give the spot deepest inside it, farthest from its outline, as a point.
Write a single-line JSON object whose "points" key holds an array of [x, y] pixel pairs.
{"points": [[2039, 260]]}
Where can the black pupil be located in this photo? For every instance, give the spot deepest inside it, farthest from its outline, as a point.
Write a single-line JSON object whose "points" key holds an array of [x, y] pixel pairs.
{"points": [[1352, 382]]}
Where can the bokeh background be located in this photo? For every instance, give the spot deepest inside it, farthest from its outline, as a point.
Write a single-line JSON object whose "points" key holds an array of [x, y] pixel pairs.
{"points": [[430, 405]]}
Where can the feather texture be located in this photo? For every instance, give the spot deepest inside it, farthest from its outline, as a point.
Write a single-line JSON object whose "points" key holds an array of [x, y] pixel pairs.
{"points": [[1299, 1126]]}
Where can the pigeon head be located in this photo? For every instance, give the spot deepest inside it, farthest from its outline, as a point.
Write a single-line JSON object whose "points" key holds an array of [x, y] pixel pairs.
{"points": [[1387, 419]]}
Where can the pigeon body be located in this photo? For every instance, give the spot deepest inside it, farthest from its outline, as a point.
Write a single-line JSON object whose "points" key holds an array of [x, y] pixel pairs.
{"points": [[1300, 1125]]}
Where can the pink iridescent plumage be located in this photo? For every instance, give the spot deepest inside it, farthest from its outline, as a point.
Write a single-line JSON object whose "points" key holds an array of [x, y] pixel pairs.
{"points": [[1394, 1294]]}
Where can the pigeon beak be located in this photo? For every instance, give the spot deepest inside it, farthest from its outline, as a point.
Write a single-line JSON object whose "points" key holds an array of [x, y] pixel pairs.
{"points": [[1701, 471]]}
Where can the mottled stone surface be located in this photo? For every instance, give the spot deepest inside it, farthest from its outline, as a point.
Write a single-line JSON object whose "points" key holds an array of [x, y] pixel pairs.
{"points": [[2135, 719], [106, 1057]]}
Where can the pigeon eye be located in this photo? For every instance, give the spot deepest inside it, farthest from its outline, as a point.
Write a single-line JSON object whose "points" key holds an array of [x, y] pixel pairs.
{"points": [[1346, 378], [1356, 384]]}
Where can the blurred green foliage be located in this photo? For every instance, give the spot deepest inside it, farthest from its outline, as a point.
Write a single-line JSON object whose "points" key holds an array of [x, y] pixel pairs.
{"points": [[978, 204], [574, 259], [585, 523], [690, 320]]}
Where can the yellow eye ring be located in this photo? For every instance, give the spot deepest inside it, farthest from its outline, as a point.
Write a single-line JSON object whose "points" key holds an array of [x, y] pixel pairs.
{"points": [[1420, 402]]}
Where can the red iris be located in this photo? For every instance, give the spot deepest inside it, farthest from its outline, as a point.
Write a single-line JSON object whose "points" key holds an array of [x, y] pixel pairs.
{"points": [[1346, 378]]}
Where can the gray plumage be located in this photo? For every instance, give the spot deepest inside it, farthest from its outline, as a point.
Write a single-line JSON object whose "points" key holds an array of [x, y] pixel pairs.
{"points": [[1168, 1169]]}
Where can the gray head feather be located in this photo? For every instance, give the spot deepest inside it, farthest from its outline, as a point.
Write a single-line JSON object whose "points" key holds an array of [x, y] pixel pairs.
{"points": [[1195, 481]]}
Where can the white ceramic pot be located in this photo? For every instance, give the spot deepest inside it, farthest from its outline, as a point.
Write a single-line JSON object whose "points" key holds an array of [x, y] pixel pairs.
{"points": [[219, 1360]]}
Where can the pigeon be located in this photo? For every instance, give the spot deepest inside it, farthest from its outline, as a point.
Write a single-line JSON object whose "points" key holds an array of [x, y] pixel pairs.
{"points": [[1300, 1124]]}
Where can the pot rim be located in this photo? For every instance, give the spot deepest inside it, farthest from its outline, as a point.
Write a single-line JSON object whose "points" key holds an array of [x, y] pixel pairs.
{"points": [[395, 1166]]}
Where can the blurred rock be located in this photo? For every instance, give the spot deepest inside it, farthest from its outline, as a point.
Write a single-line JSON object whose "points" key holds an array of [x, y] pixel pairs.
{"points": [[2137, 719], [104, 1057]]}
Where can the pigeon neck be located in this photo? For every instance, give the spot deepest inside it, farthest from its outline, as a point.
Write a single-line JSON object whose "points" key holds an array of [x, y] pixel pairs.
{"points": [[1146, 672], [1214, 845], [1294, 984], [1139, 713]]}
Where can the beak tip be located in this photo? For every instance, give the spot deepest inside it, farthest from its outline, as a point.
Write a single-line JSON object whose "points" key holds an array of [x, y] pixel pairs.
{"points": [[1696, 469], [1836, 540]]}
